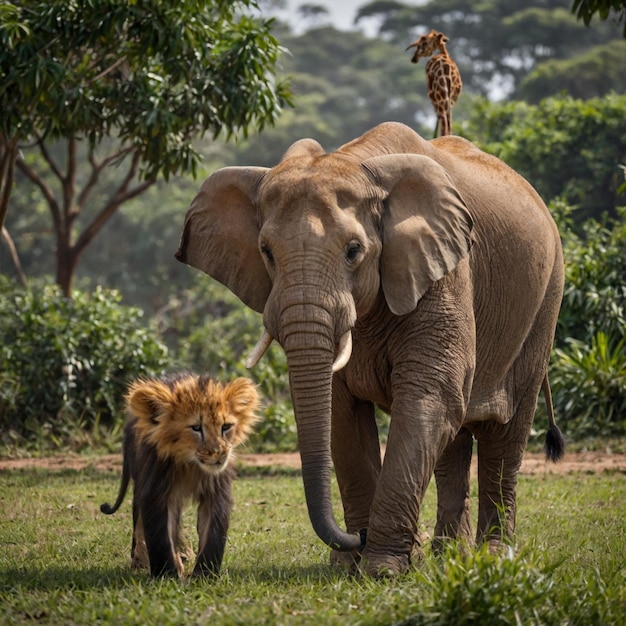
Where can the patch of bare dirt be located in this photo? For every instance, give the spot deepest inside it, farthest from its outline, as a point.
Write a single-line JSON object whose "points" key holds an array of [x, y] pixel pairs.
{"points": [[533, 464]]}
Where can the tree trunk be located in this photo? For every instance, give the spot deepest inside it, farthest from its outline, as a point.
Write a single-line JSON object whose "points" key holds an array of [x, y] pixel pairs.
{"points": [[66, 265]]}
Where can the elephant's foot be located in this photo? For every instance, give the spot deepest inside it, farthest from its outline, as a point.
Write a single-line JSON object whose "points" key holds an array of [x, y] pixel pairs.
{"points": [[384, 565], [500, 547], [345, 561]]}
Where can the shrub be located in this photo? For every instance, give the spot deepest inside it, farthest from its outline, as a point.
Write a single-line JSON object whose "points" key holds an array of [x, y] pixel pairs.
{"points": [[589, 382], [565, 147], [482, 588], [587, 369], [594, 298], [223, 333], [65, 363]]}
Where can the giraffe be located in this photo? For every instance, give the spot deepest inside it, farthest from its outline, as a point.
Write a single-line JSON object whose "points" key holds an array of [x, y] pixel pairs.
{"points": [[442, 77]]}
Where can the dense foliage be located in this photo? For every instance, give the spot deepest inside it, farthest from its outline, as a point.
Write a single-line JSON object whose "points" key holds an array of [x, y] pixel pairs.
{"points": [[570, 149], [65, 363], [588, 371]]}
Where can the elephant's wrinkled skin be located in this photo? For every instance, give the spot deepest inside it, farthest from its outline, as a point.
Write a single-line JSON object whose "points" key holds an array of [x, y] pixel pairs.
{"points": [[444, 268]]}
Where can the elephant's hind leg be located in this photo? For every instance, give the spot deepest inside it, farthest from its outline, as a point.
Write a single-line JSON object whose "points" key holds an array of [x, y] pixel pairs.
{"points": [[500, 452], [498, 465], [452, 474]]}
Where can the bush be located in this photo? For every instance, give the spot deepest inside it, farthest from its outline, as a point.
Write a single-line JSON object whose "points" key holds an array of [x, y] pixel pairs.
{"points": [[588, 368], [565, 147], [65, 363], [213, 332], [482, 588], [594, 298], [589, 383]]}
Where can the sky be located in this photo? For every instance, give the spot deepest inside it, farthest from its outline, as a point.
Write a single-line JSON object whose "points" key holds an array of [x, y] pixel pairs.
{"points": [[342, 12]]}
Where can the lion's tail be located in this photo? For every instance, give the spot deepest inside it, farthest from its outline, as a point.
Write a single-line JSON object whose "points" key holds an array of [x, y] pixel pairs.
{"points": [[555, 443], [106, 508]]}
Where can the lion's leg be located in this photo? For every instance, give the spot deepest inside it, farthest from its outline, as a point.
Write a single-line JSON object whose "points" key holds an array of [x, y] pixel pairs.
{"points": [[139, 551], [154, 508], [175, 513], [213, 522]]}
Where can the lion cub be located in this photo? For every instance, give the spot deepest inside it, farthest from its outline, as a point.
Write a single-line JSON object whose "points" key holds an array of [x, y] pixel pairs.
{"points": [[178, 439]]}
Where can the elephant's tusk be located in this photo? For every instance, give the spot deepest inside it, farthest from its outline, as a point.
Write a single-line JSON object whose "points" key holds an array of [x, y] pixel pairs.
{"points": [[345, 351], [259, 350]]}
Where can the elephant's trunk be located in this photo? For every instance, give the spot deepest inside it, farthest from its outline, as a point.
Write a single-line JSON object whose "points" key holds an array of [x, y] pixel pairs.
{"points": [[311, 395], [310, 356]]}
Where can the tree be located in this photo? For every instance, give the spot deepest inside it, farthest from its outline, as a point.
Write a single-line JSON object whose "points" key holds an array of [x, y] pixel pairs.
{"points": [[92, 84], [586, 9], [591, 74], [314, 13]]}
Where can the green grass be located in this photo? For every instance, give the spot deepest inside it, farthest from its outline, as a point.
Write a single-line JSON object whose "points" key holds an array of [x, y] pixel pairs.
{"points": [[63, 562]]}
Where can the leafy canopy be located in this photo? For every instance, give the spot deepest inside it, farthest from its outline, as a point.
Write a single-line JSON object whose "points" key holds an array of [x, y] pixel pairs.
{"points": [[586, 9], [155, 75]]}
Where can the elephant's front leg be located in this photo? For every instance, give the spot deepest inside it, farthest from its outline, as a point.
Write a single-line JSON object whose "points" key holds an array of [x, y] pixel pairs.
{"points": [[419, 432], [356, 457]]}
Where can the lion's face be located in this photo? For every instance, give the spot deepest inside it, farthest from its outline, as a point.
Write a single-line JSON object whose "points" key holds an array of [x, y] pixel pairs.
{"points": [[194, 420]]}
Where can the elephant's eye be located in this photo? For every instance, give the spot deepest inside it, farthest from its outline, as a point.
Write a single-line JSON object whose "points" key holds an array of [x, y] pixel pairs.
{"points": [[267, 253], [353, 251]]}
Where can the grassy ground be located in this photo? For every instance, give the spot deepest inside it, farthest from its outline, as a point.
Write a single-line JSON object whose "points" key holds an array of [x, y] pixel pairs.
{"points": [[63, 562]]}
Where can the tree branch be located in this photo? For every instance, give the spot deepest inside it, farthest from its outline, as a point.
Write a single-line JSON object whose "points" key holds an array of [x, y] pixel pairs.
{"points": [[108, 70], [122, 194], [15, 257], [45, 190], [8, 155], [96, 170], [49, 160]]}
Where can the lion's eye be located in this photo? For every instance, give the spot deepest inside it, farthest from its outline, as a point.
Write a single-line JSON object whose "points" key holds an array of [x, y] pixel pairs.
{"points": [[353, 251], [196, 428], [226, 427]]}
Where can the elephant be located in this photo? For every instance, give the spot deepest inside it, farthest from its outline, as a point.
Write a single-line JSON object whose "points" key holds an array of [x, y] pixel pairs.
{"points": [[420, 277]]}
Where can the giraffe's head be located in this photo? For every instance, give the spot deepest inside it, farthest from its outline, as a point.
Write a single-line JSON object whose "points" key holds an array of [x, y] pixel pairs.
{"points": [[427, 44]]}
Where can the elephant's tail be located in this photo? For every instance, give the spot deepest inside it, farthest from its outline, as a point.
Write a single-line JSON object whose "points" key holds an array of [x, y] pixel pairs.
{"points": [[555, 443]]}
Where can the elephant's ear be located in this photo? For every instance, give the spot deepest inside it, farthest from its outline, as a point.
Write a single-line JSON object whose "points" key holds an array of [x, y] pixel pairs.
{"points": [[426, 226], [220, 236]]}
